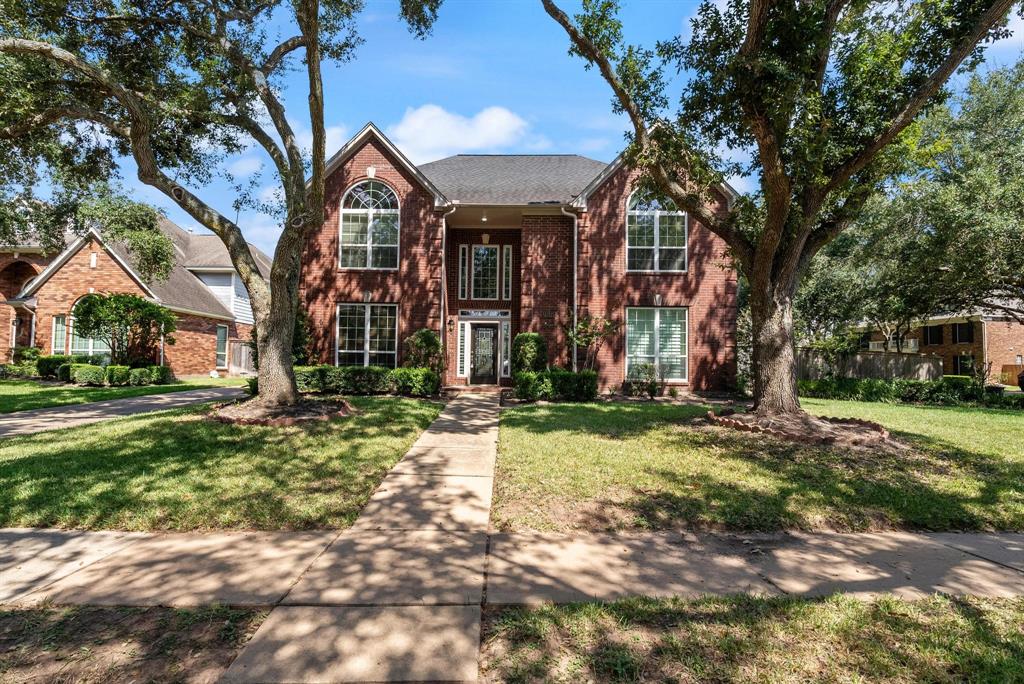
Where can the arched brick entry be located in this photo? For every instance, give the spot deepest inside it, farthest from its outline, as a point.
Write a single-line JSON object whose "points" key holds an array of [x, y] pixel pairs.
{"points": [[14, 274]]}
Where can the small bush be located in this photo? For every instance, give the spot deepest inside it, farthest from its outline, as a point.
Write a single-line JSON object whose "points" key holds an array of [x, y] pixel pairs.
{"points": [[27, 355], [118, 375], [47, 365], [310, 378], [91, 359], [414, 382], [533, 385], [26, 369], [253, 385], [556, 384], [139, 377], [950, 390], [87, 374], [423, 350], [161, 375], [643, 380], [355, 380], [64, 372], [529, 353]]}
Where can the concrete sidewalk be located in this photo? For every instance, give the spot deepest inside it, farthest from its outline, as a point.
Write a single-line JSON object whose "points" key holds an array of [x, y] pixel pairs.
{"points": [[38, 420]]}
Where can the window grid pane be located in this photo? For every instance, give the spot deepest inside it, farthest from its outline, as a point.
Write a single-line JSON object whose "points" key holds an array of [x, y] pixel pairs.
{"points": [[507, 272], [351, 334], [485, 272], [655, 235], [59, 334], [222, 346], [370, 227], [368, 334], [657, 337], [463, 255]]}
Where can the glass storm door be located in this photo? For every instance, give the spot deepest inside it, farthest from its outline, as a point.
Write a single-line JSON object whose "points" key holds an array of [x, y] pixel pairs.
{"points": [[484, 362]]}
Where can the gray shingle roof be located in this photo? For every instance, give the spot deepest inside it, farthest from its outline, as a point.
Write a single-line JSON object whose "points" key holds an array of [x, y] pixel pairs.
{"points": [[515, 179]]}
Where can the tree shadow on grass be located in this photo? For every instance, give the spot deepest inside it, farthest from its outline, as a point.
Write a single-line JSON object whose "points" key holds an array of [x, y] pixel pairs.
{"points": [[178, 470], [755, 639]]}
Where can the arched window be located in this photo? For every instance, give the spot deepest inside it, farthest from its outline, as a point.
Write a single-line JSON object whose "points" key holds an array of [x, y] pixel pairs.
{"points": [[369, 226], [655, 234], [88, 346]]}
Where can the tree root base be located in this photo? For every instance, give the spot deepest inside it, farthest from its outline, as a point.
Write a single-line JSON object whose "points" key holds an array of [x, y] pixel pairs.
{"points": [[807, 429], [305, 410]]}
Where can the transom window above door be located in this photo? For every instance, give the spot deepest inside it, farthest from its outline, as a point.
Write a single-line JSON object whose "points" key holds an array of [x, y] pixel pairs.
{"points": [[369, 226], [655, 235]]}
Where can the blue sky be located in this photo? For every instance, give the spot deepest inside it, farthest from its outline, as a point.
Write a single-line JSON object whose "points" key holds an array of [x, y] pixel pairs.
{"points": [[494, 77]]}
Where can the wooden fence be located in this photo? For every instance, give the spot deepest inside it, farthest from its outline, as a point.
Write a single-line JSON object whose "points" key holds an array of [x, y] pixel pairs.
{"points": [[812, 365], [240, 359]]}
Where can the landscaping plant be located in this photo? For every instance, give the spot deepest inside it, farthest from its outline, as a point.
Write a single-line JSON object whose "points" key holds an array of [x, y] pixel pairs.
{"points": [[529, 352], [131, 326]]}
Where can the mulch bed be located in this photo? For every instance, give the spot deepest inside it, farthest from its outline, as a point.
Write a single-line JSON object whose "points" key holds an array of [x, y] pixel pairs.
{"points": [[807, 429], [253, 413]]}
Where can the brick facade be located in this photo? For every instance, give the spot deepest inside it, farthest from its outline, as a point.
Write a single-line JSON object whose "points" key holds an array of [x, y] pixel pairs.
{"points": [[542, 288], [93, 269], [15, 271], [415, 286], [1004, 346]]}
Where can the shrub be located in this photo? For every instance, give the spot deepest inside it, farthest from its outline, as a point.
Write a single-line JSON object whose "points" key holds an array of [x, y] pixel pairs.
{"points": [[951, 389], [118, 375], [64, 372], [423, 350], [533, 385], [91, 359], [414, 382], [529, 353], [643, 379], [27, 355], [310, 378], [87, 374], [139, 376], [47, 365], [26, 369], [355, 380], [161, 375], [556, 384], [254, 385]]}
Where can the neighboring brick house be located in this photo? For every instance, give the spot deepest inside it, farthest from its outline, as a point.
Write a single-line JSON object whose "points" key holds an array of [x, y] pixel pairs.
{"points": [[38, 293], [481, 247], [965, 341]]}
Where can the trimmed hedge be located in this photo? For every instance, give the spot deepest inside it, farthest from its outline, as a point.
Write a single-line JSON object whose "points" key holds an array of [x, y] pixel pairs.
{"points": [[139, 377], [118, 375], [160, 375], [529, 353], [25, 369], [416, 382], [950, 390], [556, 384], [87, 374], [64, 372], [47, 365]]}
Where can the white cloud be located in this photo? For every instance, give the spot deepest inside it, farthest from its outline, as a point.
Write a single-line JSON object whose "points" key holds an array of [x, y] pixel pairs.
{"points": [[261, 230], [245, 166], [431, 132]]}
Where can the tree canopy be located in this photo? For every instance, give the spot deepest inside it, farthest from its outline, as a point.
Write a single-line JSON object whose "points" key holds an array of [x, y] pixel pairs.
{"points": [[132, 326]]}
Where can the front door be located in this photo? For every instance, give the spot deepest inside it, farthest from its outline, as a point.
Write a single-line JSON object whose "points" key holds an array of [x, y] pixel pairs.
{"points": [[484, 360]]}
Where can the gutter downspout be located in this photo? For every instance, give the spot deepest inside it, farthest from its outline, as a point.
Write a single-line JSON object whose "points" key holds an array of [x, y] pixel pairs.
{"points": [[575, 274], [984, 347], [444, 279]]}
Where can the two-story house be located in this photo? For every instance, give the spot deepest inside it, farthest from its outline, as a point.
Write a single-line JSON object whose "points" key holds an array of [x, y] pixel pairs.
{"points": [[482, 247], [39, 291]]}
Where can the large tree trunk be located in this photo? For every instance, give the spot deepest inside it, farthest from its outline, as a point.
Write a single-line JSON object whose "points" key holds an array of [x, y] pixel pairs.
{"points": [[773, 362], [275, 326]]}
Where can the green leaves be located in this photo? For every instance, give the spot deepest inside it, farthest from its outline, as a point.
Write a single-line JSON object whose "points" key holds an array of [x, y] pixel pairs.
{"points": [[129, 324]]}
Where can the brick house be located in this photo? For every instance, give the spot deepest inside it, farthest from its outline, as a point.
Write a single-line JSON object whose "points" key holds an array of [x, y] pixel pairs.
{"points": [[481, 247], [38, 292], [963, 342]]}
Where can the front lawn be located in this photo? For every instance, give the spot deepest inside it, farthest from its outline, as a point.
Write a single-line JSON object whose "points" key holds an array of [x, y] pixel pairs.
{"points": [[99, 644], [22, 395], [605, 466], [748, 639], [180, 471]]}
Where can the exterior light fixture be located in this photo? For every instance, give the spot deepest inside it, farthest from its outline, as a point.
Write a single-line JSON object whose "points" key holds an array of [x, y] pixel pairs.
{"points": [[486, 238], [484, 217], [451, 324]]}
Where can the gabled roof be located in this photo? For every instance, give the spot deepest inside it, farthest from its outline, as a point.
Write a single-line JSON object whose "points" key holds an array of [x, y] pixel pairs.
{"points": [[182, 291], [516, 179], [357, 141]]}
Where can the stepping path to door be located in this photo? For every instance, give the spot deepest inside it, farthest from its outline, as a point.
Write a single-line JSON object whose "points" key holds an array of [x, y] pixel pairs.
{"points": [[38, 420], [398, 596]]}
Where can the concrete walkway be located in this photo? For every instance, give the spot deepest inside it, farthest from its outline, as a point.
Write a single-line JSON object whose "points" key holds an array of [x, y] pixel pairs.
{"points": [[38, 420]]}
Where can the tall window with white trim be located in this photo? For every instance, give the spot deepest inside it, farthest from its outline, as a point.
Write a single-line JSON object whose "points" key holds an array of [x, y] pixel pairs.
{"points": [[89, 346], [485, 272], [367, 335], [655, 235], [657, 336], [369, 226], [463, 280], [222, 346], [60, 334], [506, 272]]}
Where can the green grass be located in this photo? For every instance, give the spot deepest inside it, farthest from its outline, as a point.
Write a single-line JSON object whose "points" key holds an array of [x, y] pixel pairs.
{"points": [[180, 471], [22, 395], [655, 466], [749, 639]]}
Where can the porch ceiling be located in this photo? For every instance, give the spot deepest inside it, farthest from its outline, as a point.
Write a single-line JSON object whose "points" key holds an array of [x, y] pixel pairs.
{"points": [[498, 216]]}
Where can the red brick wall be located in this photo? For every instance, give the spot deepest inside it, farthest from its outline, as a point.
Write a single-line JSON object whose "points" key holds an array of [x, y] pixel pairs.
{"points": [[708, 289], [470, 237], [949, 350], [547, 282], [14, 273], [194, 351], [1004, 343], [415, 286]]}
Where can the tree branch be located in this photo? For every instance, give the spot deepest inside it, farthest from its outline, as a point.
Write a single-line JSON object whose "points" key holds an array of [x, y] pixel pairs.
{"points": [[996, 12], [69, 112], [282, 51]]}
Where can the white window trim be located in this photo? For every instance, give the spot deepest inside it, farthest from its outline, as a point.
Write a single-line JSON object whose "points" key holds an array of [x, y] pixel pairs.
{"points": [[463, 282], [472, 261], [366, 331], [71, 339], [53, 335], [227, 337], [464, 349], [369, 233], [657, 239], [657, 339], [506, 272], [505, 348]]}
